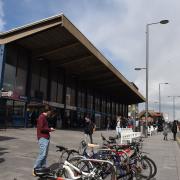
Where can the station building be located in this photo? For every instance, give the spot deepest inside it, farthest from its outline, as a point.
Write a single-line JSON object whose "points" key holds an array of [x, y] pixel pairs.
{"points": [[52, 62]]}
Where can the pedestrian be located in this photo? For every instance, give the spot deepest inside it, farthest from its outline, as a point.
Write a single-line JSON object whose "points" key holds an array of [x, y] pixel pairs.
{"points": [[174, 129], [108, 124], [165, 131], [43, 136], [118, 126], [88, 128]]}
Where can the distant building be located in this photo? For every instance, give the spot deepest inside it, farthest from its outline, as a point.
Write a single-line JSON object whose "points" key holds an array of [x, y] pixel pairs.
{"points": [[154, 118]]}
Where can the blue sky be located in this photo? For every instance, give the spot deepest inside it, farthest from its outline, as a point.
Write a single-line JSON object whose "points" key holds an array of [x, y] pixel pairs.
{"points": [[117, 29]]}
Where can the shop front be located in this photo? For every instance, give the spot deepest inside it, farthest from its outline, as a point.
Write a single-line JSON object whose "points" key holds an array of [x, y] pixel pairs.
{"points": [[13, 110]]}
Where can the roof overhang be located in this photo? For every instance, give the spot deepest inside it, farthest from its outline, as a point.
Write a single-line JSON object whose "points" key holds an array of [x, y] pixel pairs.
{"points": [[59, 42]]}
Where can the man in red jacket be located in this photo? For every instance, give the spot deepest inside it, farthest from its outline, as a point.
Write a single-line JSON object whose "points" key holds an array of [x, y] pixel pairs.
{"points": [[43, 135]]}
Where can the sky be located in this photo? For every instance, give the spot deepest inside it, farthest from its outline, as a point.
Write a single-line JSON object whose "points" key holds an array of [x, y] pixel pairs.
{"points": [[117, 28]]}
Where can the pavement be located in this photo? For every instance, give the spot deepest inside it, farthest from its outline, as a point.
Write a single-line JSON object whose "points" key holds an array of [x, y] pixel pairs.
{"points": [[19, 149]]}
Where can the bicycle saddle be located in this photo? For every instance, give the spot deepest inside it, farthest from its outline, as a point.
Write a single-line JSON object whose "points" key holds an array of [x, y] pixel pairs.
{"points": [[93, 145], [42, 171]]}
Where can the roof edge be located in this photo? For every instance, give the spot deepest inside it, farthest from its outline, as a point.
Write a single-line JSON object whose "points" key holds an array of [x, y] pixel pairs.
{"points": [[31, 28], [31, 24], [78, 34]]}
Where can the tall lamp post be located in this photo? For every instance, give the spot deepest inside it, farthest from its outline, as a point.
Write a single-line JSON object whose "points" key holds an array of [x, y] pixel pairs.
{"points": [[174, 110], [160, 96], [147, 65]]}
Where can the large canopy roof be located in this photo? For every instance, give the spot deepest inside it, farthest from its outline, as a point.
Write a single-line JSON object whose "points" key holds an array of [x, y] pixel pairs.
{"points": [[58, 41]]}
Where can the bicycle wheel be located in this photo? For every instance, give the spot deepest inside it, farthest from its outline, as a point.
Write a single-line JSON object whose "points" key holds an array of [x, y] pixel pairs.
{"points": [[84, 166], [143, 169], [153, 165], [107, 171]]}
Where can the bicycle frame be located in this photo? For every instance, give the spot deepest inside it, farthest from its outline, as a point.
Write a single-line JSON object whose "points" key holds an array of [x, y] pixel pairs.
{"points": [[68, 167]]}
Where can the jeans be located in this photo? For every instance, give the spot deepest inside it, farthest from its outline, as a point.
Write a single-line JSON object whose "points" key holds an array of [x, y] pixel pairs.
{"points": [[43, 152]]}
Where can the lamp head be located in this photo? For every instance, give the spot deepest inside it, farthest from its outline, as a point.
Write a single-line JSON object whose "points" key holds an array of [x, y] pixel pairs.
{"points": [[164, 21], [137, 69]]}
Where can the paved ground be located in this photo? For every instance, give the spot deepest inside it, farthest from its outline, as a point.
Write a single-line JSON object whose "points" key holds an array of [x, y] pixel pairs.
{"points": [[19, 149]]}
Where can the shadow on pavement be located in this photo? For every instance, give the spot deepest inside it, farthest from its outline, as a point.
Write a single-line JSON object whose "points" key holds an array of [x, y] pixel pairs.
{"points": [[2, 152], [5, 138], [2, 160]]}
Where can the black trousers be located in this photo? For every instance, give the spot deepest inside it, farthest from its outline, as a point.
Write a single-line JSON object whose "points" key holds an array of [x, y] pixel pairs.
{"points": [[174, 135], [91, 140]]}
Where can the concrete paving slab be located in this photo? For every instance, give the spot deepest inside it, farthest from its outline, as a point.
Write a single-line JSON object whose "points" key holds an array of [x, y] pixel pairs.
{"points": [[19, 149]]}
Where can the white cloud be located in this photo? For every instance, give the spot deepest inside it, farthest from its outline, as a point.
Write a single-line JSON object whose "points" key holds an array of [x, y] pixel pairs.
{"points": [[2, 23], [121, 33]]}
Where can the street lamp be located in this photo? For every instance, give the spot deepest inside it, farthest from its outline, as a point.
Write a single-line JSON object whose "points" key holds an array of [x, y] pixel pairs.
{"points": [[174, 115], [147, 65], [160, 96]]}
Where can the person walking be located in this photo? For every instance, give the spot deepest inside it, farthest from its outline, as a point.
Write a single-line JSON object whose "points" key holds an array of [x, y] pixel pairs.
{"points": [[165, 131], [118, 126], [88, 128], [43, 136], [174, 129]]}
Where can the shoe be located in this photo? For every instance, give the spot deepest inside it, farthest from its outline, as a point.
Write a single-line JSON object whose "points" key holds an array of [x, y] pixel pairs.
{"points": [[33, 173]]}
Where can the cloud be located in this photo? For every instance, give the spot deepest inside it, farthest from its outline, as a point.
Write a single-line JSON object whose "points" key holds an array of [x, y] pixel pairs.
{"points": [[2, 23]]}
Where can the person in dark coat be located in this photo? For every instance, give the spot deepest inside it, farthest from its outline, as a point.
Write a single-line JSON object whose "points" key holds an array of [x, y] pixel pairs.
{"points": [[174, 129], [88, 128]]}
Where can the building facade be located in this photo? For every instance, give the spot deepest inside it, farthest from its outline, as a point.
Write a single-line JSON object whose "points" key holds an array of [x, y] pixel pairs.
{"points": [[51, 62]]}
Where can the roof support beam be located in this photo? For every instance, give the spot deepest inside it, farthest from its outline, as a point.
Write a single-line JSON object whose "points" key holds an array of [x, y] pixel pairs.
{"points": [[99, 75], [71, 60], [52, 50]]}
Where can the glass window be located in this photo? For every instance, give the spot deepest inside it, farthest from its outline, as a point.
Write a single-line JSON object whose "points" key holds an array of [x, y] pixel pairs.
{"points": [[19, 108], [15, 70], [108, 107], [10, 70], [113, 108], [89, 101], [43, 81], [21, 74], [39, 80], [35, 79], [53, 91], [60, 92], [81, 98], [97, 104], [70, 96], [9, 77], [70, 92], [103, 105]]}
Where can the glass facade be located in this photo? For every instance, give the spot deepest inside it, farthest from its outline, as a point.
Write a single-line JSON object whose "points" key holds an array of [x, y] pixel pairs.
{"points": [[48, 84]]}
